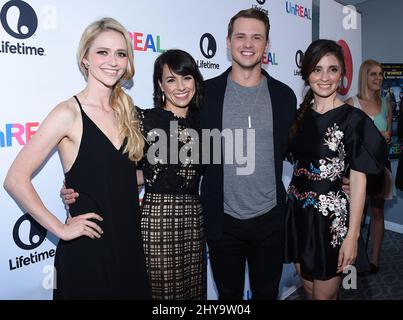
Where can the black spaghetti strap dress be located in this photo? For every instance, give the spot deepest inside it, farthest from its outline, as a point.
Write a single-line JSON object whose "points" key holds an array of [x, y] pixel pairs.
{"points": [[112, 267]]}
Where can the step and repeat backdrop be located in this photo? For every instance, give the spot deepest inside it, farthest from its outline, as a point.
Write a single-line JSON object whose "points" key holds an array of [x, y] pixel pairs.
{"points": [[38, 43]]}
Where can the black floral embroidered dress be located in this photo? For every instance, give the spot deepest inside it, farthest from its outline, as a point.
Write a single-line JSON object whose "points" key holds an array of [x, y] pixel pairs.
{"points": [[325, 148], [172, 222]]}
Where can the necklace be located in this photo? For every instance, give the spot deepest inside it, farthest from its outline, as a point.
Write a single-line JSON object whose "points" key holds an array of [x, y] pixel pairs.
{"points": [[244, 100]]}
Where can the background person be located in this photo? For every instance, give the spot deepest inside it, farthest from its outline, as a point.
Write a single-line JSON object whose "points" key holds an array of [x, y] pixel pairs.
{"points": [[379, 109]]}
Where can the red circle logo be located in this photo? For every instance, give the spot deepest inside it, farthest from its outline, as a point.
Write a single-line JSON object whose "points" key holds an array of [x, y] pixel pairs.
{"points": [[348, 61]]}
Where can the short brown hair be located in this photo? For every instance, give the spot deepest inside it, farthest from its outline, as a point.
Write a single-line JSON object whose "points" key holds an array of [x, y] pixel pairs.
{"points": [[251, 13]]}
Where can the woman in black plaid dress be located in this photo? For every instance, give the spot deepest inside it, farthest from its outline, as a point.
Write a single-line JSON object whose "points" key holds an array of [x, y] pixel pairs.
{"points": [[172, 220]]}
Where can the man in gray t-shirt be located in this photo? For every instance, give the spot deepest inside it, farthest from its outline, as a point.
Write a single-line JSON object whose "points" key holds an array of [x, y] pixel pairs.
{"points": [[243, 198]]}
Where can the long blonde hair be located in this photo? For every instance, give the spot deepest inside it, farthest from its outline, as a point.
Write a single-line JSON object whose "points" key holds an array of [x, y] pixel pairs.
{"points": [[363, 92], [122, 103]]}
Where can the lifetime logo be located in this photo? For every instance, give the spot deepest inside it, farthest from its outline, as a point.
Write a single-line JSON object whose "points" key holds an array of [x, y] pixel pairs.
{"points": [[18, 132], [208, 45], [208, 48], [299, 56], [260, 8], [27, 233], [20, 21]]}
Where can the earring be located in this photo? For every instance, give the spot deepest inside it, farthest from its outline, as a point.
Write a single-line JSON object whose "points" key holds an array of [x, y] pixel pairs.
{"points": [[163, 97], [86, 65]]}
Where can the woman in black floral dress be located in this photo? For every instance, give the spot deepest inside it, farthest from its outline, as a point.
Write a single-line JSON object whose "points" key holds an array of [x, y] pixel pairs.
{"points": [[172, 219], [328, 140]]}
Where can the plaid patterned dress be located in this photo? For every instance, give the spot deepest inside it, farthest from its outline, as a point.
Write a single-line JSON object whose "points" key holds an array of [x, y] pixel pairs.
{"points": [[172, 219]]}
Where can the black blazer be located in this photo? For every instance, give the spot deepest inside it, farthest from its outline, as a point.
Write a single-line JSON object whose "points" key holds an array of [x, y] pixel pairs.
{"points": [[212, 186]]}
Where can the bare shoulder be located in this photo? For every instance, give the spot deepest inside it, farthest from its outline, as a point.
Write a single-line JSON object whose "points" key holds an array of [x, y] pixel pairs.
{"points": [[67, 111]]}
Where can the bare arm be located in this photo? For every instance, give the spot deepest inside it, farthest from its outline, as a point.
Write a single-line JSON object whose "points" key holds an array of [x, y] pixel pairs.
{"points": [[18, 183], [348, 250], [140, 177]]}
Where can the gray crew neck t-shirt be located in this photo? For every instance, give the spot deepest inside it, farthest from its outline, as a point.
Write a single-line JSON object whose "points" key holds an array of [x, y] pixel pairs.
{"points": [[249, 108]]}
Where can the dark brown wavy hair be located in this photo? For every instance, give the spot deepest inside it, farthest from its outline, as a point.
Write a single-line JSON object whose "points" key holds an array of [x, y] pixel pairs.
{"points": [[316, 51]]}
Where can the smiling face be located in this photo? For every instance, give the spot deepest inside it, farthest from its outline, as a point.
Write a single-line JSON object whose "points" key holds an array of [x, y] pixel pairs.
{"points": [[179, 90], [325, 76], [107, 58], [375, 78], [247, 43]]}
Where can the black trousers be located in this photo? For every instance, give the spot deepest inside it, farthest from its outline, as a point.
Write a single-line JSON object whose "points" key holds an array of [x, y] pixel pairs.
{"points": [[259, 242]]}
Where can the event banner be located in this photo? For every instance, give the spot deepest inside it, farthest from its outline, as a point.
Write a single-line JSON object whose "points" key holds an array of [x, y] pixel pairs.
{"points": [[393, 90]]}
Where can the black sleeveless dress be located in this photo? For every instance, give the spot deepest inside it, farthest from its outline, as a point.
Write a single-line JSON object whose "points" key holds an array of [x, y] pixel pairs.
{"points": [[112, 267]]}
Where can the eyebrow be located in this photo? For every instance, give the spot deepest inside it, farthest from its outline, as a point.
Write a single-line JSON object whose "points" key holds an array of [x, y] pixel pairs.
{"points": [[332, 66], [244, 34], [108, 49], [170, 77]]}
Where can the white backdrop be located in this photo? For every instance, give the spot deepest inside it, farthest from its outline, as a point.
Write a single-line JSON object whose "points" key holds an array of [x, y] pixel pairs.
{"points": [[32, 84], [343, 24]]}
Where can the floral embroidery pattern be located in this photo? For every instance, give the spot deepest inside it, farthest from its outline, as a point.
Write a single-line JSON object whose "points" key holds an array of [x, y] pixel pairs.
{"points": [[331, 203], [329, 168], [336, 205], [334, 136], [333, 168], [309, 198], [312, 174]]}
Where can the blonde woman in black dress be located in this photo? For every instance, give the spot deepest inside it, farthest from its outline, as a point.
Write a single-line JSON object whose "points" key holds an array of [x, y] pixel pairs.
{"points": [[99, 255]]}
